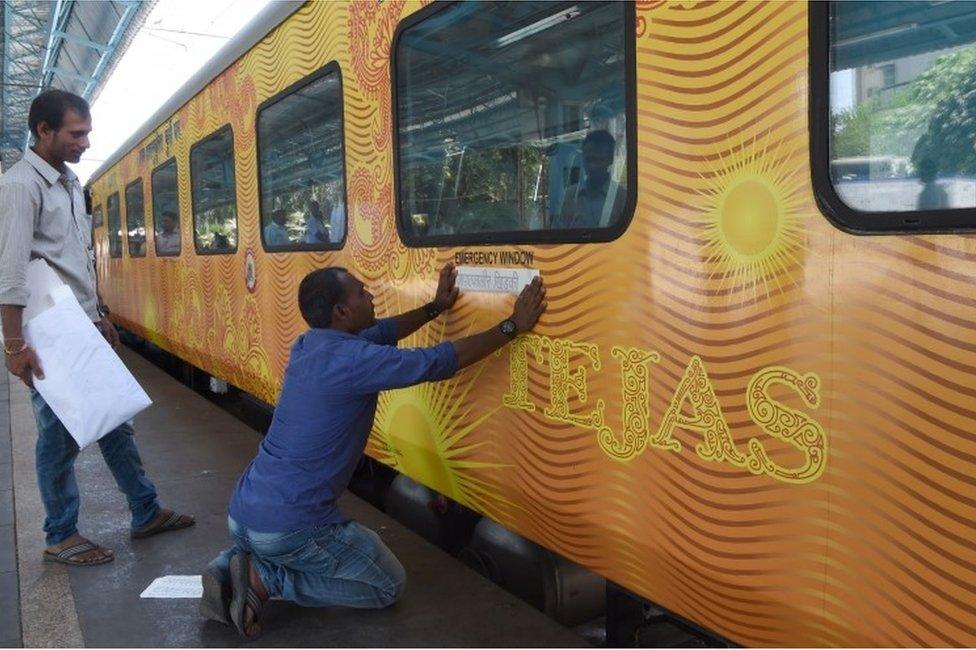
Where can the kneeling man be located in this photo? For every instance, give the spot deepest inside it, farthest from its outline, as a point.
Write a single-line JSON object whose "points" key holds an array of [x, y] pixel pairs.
{"points": [[290, 539]]}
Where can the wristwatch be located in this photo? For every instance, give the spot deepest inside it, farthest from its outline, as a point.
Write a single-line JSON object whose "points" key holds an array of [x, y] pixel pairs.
{"points": [[508, 328], [103, 310], [431, 310]]}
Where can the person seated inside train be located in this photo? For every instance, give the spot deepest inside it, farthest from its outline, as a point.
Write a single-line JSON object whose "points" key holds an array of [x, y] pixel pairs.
{"points": [[290, 540], [316, 232], [275, 233], [598, 199], [168, 240]]}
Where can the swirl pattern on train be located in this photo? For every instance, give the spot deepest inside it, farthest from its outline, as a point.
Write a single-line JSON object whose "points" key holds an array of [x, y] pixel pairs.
{"points": [[759, 422]]}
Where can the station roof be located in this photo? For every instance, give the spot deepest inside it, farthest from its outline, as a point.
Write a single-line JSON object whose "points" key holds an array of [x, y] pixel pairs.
{"points": [[69, 44]]}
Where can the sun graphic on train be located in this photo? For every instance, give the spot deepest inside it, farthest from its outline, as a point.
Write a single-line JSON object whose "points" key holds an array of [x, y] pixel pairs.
{"points": [[753, 206], [424, 431]]}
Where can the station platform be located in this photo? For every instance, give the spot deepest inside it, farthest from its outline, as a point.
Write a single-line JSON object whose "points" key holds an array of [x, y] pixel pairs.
{"points": [[194, 451]]}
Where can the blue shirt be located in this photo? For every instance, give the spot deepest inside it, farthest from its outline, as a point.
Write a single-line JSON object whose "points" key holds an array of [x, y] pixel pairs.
{"points": [[322, 422]]}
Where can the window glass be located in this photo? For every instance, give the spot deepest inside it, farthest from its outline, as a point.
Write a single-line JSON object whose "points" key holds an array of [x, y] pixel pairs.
{"points": [[302, 167], [166, 209], [114, 226], [97, 217], [214, 198], [903, 105], [511, 118], [135, 220]]}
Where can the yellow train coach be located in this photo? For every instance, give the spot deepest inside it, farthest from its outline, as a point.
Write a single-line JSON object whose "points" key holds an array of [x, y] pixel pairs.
{"points": [[752, 400]]}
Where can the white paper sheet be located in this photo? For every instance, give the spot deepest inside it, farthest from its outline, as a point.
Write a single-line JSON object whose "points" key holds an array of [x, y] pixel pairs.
{"points": [[85, 382], [174, 587], [490, 279]]}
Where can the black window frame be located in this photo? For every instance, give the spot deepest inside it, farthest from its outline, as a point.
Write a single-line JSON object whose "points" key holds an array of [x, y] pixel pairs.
{"points": [[152, 204], [546, 236], [125, 192], [108, 225], [297, 247], [841, 215], [193, 197]]}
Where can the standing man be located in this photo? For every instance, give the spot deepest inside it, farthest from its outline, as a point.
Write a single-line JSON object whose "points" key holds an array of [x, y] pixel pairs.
{"points": [[290, 539], [42, 216], [599, 199], [315, 230]]}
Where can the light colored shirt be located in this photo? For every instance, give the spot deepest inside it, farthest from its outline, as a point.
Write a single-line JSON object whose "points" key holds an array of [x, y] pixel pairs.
{"points": [[322, 421], [42, 216], [168, 243], [315, 232], [584, 207], [337, 223], [276, 235]]}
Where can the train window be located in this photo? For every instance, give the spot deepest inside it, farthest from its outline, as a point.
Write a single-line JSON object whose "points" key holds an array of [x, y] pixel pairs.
{"points": [[894, 142], [114, 226], [301, 165], [213, 193], [135, 219], [97, 217], [166, 209], [514, 122]]}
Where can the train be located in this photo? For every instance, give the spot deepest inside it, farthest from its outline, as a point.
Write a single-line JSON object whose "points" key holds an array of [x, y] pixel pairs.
{"points": [[752, 400]]}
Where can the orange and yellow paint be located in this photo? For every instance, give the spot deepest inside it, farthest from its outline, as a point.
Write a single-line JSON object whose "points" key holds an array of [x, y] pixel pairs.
{"points": [[735, 410]]}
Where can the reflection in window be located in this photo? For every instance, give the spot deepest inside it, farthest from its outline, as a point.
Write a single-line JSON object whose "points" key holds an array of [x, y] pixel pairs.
{"points": [[903, 105], [511, 117], [114, 226], [302, 168], [214, 198], [135, 219], [166, 209]]}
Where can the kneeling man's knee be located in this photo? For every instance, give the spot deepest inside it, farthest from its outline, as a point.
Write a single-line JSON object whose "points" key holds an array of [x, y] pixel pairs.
{"points": [[395, 588]]}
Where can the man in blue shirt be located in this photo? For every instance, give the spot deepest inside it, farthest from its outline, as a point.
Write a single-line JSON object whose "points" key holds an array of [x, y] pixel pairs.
{"points": [[290, 539]]}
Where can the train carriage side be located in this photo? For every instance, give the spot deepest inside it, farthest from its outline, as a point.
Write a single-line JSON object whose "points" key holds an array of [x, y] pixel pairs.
{"points": [[751, 399]]}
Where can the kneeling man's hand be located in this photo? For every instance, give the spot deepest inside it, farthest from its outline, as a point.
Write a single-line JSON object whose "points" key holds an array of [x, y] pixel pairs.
{"points": [[447, 292], [530, 305]]}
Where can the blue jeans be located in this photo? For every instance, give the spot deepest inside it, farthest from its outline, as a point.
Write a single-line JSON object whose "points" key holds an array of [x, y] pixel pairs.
{"points": [[338, 564], [56, 453]]}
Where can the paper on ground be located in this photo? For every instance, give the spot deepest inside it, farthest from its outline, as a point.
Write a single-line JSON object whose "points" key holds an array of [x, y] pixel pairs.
{"points": [[174, 587], [489, 279]]}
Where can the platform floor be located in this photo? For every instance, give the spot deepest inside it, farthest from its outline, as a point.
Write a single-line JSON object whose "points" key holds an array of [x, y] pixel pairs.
{"points": [[194, 452]]}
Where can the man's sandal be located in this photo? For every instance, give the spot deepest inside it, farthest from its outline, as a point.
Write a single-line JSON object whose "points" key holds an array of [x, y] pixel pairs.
{"points": [[70, 555], [175, 521], [215, 602], [244, 596]]}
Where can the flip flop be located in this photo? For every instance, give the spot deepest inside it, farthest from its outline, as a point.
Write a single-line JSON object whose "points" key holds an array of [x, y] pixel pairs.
{"points": [[215, 603], [243, 595], [175, 521], [69, 555]]}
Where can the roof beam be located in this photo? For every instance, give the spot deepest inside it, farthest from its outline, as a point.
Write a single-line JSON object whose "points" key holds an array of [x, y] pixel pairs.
{"points": [[68, 74], [101, 47], [113, 43]]}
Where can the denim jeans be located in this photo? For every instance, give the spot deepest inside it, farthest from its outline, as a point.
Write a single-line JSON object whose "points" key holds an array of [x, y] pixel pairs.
{"points": [[56, 453], [338, 564]]}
